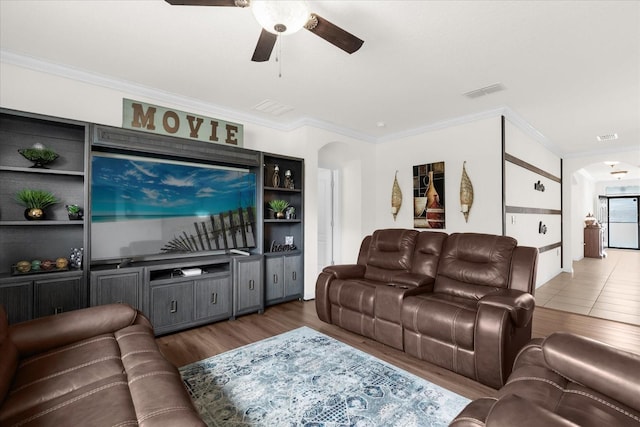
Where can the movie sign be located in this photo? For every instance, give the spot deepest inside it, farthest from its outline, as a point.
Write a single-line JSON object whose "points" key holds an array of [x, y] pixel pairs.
{"points": [[164, 121]]}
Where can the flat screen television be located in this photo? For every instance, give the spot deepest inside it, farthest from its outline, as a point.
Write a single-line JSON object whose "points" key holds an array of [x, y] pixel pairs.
{"points": [[150, 208]]}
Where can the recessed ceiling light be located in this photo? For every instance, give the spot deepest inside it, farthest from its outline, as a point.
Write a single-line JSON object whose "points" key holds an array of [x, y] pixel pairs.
{"points": [[607, 137]]}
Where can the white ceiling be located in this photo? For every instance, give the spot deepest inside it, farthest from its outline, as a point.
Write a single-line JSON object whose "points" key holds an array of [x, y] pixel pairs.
{"points": [[571, 69]]}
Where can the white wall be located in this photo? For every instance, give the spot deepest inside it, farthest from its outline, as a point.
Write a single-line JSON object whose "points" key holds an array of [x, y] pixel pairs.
{"points": [[478, 142], [520, 193], [582, 191]]}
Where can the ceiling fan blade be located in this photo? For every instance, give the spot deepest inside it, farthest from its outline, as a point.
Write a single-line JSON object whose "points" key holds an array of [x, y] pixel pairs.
{"points": [[334, 34], [202, 2], [265, 45]]}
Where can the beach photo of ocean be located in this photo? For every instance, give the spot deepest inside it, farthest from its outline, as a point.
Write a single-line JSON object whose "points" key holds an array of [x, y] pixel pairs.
{"points": [[144, 206]]}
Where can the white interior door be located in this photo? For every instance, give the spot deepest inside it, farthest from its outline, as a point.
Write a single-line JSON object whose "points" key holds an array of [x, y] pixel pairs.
{"points": [[325, 218]]}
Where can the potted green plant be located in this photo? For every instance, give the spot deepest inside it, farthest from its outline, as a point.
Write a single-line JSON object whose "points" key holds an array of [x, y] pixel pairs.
{"points": [[278, 207], [74, 211], [35, 201]]}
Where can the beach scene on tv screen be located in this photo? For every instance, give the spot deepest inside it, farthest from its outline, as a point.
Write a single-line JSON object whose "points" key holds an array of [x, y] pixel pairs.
{"points": [[145, 206]]}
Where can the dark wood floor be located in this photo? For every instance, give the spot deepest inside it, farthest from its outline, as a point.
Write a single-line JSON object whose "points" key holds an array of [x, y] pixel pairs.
{"points": [[199, 343]]}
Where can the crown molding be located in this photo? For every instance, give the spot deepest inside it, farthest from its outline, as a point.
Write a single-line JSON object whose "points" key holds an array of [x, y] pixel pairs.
{"points": [[72, 73]]}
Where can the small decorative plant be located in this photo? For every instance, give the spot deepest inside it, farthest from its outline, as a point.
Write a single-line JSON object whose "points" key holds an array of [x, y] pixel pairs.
{"points": [[74, 211], [35, 201], [39, 155], [278, 207]]}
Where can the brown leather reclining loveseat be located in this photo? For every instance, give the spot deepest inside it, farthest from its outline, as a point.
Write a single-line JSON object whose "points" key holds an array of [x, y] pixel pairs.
{"points": [[462, 301], [98, 366], [563, 380]]}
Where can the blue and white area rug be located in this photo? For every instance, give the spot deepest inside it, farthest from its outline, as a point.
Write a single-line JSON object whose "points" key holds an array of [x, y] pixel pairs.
{"points": [[305, 378]]}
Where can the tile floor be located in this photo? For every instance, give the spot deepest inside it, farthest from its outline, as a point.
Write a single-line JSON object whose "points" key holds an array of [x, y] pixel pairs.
{"points": [[608, 288]]}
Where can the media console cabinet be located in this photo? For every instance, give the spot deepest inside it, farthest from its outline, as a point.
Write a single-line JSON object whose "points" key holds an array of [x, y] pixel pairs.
{"points": [[230, 285], [227, 287]]}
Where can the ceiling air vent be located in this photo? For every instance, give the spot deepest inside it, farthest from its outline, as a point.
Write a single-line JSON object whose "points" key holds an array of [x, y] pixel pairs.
{"points": [[274, 108], [605, 138], [476, 93]]}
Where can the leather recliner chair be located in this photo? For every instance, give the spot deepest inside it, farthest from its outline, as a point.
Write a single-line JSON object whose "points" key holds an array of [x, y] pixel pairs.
{"points": [[563, 380], [479, 314], [366, 298], [98, 366]]}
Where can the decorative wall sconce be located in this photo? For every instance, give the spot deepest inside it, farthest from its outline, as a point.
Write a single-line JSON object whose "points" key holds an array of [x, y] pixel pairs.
{"points": [[466, 193], [538, 186], [542, 229], [396, 197]]}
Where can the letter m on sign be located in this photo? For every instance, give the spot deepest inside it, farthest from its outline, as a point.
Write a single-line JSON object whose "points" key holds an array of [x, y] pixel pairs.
{"points": [[142, 119]]}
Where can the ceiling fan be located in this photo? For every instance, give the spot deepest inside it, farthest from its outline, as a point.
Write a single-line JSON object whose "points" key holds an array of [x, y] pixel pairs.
{"points": [[282, 17]]}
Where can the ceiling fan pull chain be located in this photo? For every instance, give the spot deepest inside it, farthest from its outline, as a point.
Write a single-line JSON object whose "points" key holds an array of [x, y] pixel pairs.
{"points": [[279, 56]]}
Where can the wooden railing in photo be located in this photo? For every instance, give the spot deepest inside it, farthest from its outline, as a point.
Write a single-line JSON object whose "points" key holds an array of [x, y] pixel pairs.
{"points": [[225, 230]]}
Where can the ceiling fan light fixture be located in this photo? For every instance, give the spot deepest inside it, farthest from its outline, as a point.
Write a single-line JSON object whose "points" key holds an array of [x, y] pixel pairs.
{"points": [[281, 16]]}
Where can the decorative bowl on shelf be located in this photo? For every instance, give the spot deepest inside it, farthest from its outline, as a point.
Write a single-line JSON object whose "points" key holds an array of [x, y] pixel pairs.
{"points": [[39, 155]]}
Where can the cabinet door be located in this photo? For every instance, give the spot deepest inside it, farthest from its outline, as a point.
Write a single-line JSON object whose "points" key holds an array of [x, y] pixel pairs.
{"points": [[293, 276], [274, 280], [17, 300], [117, 287], [213, 298], [248, 290], [171, 305], [54, 296]]}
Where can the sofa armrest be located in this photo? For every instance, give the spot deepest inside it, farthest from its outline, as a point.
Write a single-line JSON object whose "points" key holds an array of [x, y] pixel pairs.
{"points": [[45, 333], [346, 271], [412, 280], [599, 366], [519, 304]]}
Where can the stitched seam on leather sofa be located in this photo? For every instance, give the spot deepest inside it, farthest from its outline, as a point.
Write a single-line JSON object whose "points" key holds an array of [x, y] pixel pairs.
{"points": [[454, 350], [164, 411], [582, 393], [70, 401], [62, 350], [150, 374], [57, 374], [131, 333], [500, 352], [132, 353], [604, 402], [126, 423], [468, 419]]}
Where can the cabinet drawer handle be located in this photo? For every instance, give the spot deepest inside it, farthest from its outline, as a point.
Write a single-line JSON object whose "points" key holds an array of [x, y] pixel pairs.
{"points": [[252, 284], [174, 307], [275, 278], [57, 310], [214, 298], [294, 275]]}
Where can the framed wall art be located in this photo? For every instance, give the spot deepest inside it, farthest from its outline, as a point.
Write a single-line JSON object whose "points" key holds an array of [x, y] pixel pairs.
{"points": [[428, 196]]}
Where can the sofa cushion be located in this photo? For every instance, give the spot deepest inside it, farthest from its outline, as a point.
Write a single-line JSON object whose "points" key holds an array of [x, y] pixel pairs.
{"points": [[390, 252], [442, 317], [474, 265], [355, 294], [427, 252]]}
